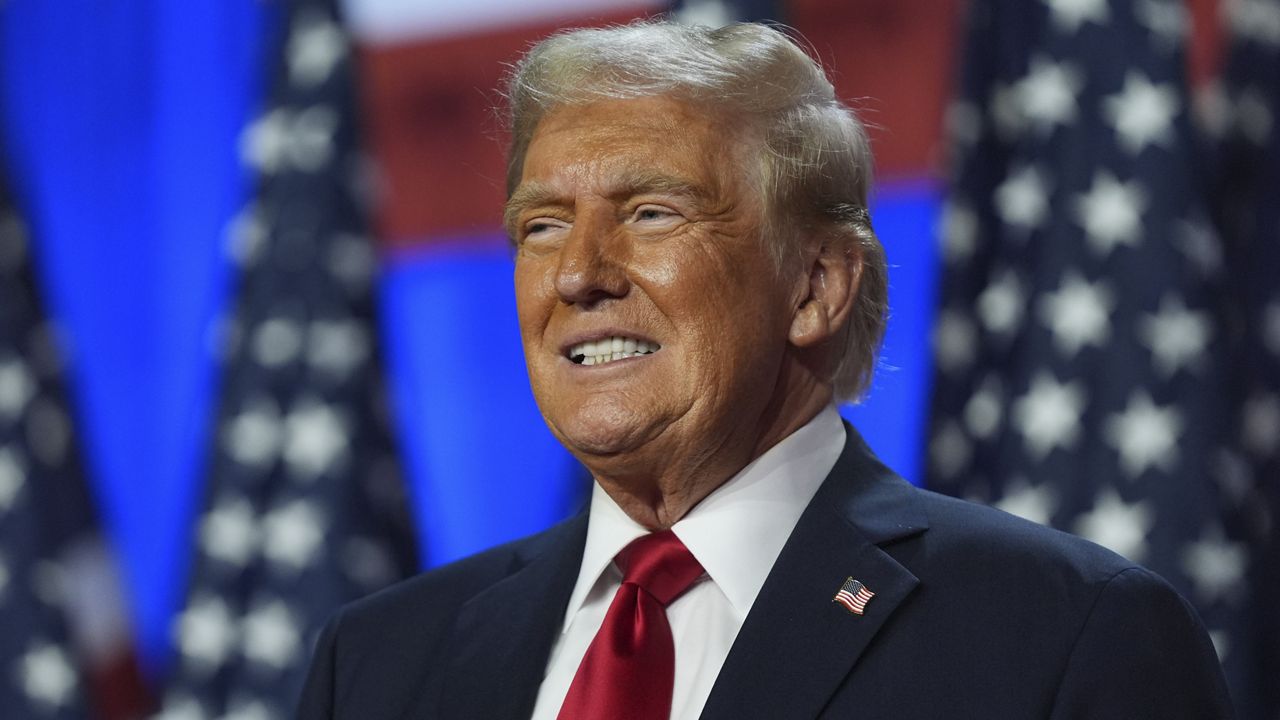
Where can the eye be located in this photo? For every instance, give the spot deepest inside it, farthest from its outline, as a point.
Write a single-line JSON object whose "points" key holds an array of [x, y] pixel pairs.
{"points": [[542, 227], [649, 214]]}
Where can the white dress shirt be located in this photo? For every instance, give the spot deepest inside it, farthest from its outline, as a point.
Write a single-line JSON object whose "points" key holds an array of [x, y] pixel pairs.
{"points": [[736, 532]]}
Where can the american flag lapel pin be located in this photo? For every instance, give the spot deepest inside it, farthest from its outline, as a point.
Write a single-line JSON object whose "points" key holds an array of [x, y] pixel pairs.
{"points": [[853, 596]]}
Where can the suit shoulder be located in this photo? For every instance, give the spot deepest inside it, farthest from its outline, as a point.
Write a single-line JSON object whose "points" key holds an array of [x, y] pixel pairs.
{"points": [[990, 542], [1101, 624]]}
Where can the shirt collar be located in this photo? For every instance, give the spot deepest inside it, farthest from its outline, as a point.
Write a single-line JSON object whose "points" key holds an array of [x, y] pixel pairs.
{"points": [[736, 532]]}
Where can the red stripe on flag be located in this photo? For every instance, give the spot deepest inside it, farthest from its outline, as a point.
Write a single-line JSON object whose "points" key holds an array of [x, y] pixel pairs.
{"points": [[438, 145]]}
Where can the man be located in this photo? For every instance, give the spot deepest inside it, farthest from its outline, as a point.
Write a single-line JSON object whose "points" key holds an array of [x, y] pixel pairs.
{"points": [[698, 282]]}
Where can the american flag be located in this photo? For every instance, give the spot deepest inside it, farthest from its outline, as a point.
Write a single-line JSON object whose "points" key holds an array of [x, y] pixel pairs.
{"points": [[1083, 373], [65, 647], [304, 507], [38, 672], [853, 596]]}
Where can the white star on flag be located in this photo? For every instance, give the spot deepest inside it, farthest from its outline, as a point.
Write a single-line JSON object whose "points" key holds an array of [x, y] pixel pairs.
{"points": [[311, 146], [282, 138], [1257, 20], [17, 387], [1215, 566], [229, 532], [1001, 304], [1142, 112], [1078, 313], [1176, 336], [316, 44], [47, 675], [206, 633], [1166, 19], [1006, 109], [1122, 527], [182, 707], [270, 635], [983, 411], [292, 534], [959, 231], [315, 438], [949, 450], [1069, 15], [246, 236], [1027, 501], [1111, 213], [955, 340], [1022, 199], [1048, 93], [337, 347], [277, 342], [1145, 435], [263, 142], [254, 436], [1048, 415]]}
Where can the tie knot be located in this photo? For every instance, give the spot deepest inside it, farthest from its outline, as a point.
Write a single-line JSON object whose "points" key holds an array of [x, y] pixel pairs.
{"points": [[659, 564]]}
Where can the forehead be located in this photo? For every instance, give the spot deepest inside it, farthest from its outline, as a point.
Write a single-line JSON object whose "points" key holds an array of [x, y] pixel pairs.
{"points": [[598, 142]]}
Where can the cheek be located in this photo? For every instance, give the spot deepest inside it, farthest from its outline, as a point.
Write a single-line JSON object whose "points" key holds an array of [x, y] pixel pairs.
{"points": [[530, 286], [662, 270], [718, 294], [532, 308]]}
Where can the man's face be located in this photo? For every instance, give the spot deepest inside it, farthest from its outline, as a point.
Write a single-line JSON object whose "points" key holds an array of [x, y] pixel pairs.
{"points": [[653, 320]]}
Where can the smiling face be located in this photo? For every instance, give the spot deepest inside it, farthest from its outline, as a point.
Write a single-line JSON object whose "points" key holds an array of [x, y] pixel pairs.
{"points": [[654, 322]]}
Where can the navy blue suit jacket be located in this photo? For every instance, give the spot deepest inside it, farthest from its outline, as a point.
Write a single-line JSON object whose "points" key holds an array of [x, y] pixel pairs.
{"points": [[976, 614]]}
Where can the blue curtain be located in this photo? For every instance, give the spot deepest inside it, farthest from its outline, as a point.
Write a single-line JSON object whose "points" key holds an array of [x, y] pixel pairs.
{"points": [[121, 122]]}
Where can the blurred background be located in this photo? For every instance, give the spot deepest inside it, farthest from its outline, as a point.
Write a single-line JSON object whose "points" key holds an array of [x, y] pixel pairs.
{"points": [[258, 349]]}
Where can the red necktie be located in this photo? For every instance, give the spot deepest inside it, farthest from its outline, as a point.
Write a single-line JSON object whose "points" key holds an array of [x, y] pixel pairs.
{"points": [[629, 669]]}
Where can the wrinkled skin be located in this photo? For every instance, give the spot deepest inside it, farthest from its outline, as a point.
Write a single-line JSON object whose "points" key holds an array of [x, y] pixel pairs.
{"points": [[639, 218]]}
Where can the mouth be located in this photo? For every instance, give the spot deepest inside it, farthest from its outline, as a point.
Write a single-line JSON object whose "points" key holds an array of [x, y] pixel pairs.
{"points": [[610, 349]]}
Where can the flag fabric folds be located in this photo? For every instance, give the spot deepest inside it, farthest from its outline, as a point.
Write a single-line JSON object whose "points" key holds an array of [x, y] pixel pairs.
{"points": [[1246, 194], [304, 505], [65, 644], [1082, 374], [38, 674]]}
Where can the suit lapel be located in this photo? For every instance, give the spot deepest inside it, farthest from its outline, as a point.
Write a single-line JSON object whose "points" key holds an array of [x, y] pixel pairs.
{"points": [[797, 645], [503, 636]]}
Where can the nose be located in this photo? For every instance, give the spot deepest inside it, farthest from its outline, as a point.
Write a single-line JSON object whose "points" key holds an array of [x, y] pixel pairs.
{"points": [[592, 266]]}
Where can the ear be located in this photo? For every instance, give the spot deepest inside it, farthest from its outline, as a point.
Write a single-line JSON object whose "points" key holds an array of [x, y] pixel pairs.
{"points": [[832, 286]]}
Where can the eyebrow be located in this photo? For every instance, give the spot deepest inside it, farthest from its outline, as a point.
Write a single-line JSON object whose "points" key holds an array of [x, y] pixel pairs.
{"points": [[641, 182]]}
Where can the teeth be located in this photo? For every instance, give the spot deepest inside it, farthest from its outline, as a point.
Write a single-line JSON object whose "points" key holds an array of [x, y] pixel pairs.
{"points": [[609, 349]]}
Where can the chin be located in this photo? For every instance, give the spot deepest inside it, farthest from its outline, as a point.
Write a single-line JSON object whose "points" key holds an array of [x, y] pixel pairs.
{"points": [[603, 434], [597, 441]]}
